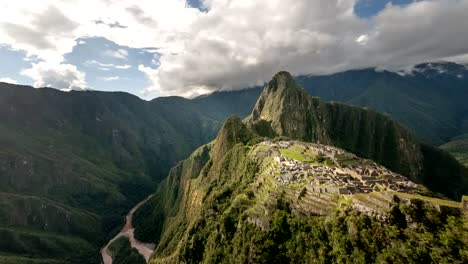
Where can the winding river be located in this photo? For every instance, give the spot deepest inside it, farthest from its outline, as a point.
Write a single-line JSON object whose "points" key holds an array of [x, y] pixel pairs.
{"points": [[143, 248]]}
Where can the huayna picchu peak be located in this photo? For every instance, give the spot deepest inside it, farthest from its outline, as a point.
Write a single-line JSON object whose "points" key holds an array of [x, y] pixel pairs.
{"points": [[288, 185], [285, 109]]}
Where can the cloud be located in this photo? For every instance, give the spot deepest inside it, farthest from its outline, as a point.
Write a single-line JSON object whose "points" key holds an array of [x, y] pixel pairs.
{"points": [[421, 31], [107, 66], [114, 24], [110, 79], [45, 32], [233, 44], [119, 54], [8, 80], [59, 76], [141, 16], [362, 39], [123, 67]]}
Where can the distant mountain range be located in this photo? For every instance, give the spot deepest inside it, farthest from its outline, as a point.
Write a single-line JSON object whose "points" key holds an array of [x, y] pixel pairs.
{"points": [[88, 156], [429, 98]]}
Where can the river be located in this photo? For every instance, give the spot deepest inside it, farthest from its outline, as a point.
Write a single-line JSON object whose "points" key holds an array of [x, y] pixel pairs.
{"points": [[144, 249]]}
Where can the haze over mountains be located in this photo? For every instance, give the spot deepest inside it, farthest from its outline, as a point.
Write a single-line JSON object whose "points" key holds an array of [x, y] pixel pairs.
{"points": [[89, 156]]}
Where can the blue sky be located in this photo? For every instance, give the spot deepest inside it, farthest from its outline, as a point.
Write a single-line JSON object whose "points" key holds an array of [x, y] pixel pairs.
{"points": [[110, 67], [106, 69], [197, 55], [368, 8]]}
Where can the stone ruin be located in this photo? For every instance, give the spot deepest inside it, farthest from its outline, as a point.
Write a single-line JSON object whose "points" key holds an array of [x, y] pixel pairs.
{"points": [[362, 177]]}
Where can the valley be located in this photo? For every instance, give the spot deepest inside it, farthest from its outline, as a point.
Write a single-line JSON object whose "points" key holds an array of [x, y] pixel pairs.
{"points": [[127, 231]]}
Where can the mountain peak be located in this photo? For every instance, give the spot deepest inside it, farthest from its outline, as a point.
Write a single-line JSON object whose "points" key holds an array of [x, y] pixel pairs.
{"points": [[285, 109], [283, 80], [282, 99], [232, 132], [281, 90], [283, 75]]}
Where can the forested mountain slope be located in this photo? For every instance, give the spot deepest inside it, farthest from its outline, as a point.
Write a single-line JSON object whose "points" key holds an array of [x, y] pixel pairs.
{"points": [[72, 163]]}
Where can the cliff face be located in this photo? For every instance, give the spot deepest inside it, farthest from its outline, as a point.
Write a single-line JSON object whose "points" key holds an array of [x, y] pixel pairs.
{"points": [[286, 108]]}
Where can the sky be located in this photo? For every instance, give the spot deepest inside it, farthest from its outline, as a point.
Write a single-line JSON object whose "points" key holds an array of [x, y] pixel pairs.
{"points": [[154, 48]]}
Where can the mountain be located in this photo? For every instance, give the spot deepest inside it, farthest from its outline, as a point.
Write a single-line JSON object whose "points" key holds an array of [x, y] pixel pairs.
{"points": [[85, 157], [285, 109], [218, 105], [458, 147], [428, 99], [259, 194], [88, 156]]}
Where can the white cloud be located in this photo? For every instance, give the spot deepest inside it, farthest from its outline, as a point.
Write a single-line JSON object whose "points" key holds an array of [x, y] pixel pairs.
{"points": [[110, 79], [8, 80], [123, 67], [41, 30], [119, 54], [362, 39], [239, 43], [59, 76], [232, 46], [107, 66]]}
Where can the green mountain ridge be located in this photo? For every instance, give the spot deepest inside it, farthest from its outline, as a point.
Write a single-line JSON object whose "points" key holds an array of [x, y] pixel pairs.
{"points": [[72, 164], [225, 205]]}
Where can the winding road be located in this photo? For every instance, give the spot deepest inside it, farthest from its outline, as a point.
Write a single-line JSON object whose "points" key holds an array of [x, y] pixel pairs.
{"points": [[143, 248]]}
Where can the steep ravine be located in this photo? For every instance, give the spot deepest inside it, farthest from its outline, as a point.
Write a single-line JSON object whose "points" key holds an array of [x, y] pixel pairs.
{"points": [[145, 249]]}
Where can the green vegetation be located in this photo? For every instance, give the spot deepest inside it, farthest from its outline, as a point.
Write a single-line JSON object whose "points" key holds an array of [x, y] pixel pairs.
{"points": [[458, 147], [19, 243], [300, 154], [343, 237], [122, 252], [432, 200], [72, 164], [294, 155], [22, 260], [222, 206]]}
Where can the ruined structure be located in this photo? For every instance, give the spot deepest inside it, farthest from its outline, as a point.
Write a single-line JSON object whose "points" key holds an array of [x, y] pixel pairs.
{"points": [[330, 170]]}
